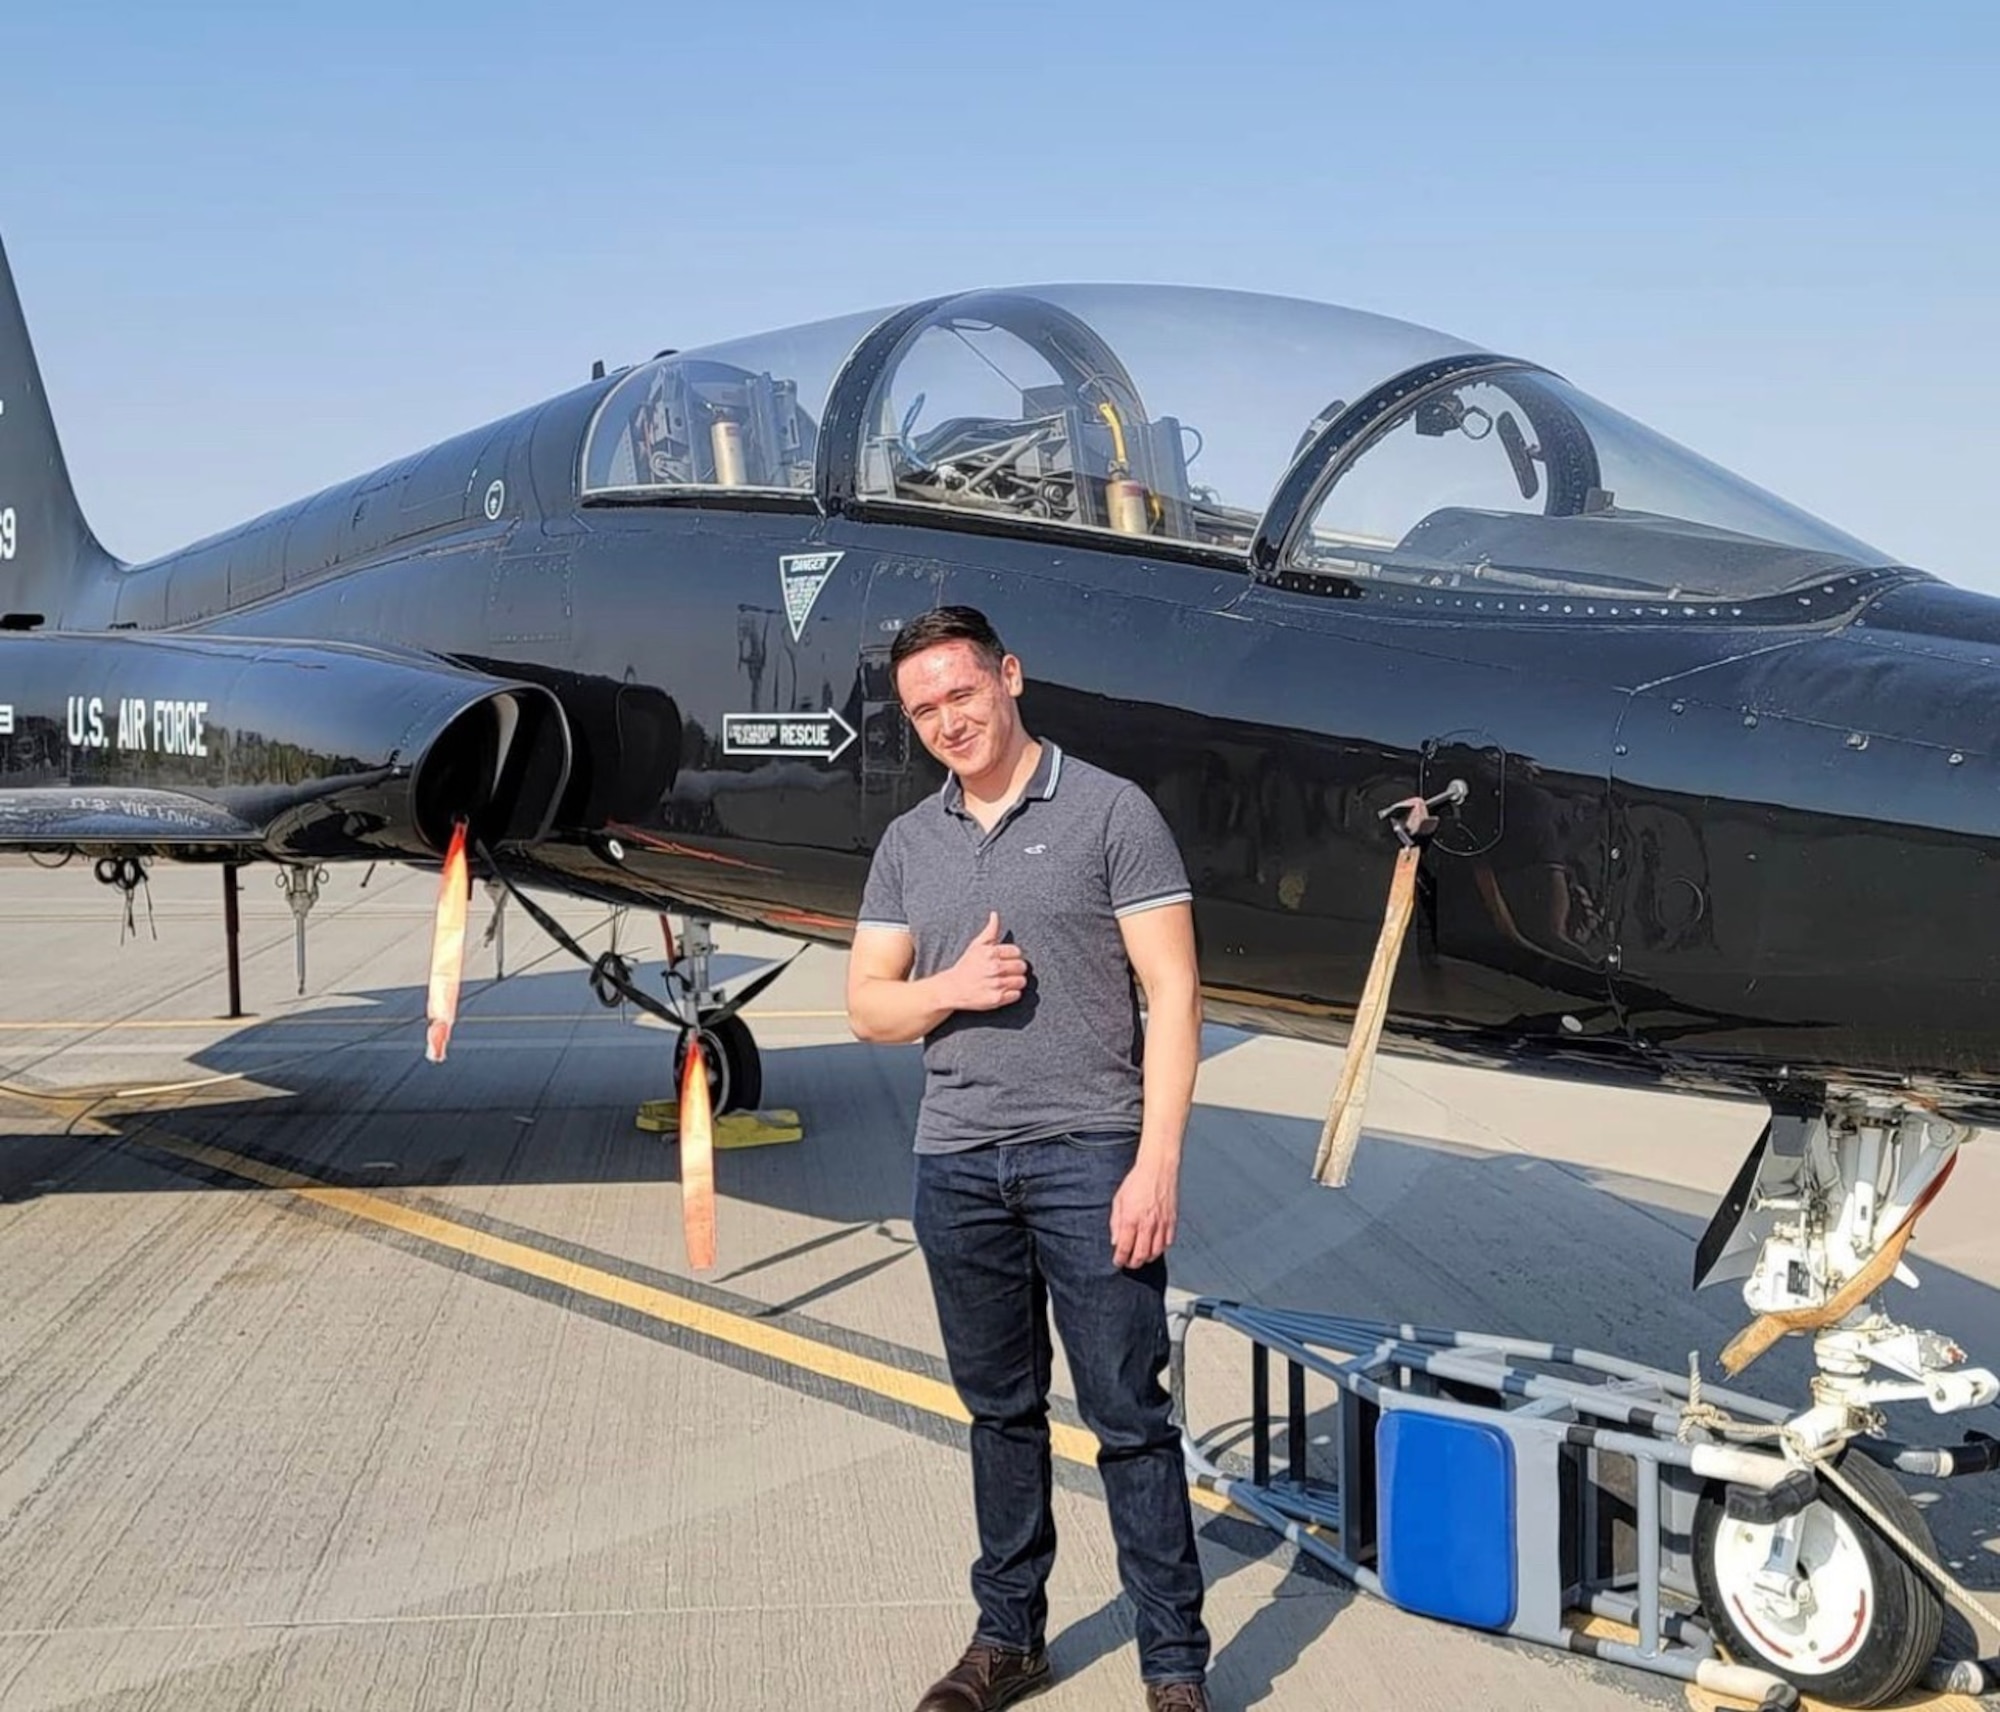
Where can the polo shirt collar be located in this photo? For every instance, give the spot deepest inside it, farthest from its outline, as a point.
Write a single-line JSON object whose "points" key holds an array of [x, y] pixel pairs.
{"points": [[1041, 786]]}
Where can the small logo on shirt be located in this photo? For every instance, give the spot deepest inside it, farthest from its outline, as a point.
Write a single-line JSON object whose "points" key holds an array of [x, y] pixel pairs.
{"points": [[1037, 850]]}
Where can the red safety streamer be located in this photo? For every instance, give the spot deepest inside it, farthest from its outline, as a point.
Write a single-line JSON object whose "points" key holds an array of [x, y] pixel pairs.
{"points": [[448, 945], [697, 1160]]}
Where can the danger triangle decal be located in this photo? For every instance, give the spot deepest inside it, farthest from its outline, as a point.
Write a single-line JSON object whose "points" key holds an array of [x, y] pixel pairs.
{"points": [[803, 575]]}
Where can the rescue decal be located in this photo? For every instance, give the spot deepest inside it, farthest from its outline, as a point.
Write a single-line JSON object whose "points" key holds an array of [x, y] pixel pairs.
{"points": [[818, 736], [802, 576]]}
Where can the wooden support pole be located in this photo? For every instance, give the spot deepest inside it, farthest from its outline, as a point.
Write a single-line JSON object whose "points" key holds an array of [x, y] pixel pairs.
{"points": [[1415, 820], [1342, 1130]]}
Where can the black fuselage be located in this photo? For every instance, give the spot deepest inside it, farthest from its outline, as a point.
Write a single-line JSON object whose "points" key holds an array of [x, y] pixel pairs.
{"points": [[1745, 846]]}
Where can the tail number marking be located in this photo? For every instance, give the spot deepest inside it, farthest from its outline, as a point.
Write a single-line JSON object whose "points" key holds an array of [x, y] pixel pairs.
{"points": [[9, 532]]}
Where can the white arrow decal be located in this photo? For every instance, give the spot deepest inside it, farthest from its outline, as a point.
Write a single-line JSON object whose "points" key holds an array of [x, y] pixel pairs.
{"points": [[819, 736]]}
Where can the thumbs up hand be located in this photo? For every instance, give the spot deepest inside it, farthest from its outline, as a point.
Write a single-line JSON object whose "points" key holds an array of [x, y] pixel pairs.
{"points": [[989, 973]]}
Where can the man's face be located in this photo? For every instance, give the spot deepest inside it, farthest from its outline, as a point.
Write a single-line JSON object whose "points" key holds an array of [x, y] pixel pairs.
{"points": [[962, 705]]}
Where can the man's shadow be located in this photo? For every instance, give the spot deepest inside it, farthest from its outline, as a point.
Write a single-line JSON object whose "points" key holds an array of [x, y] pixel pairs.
{"points": [[1284, 1622]]}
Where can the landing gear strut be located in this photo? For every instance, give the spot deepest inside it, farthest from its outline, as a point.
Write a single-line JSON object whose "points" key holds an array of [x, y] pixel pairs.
{"points": [[1827, 1595], [698, 1008], [728, 1049], [1815, 1224]]}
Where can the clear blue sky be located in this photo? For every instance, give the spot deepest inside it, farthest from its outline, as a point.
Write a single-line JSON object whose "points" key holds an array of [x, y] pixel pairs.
{"points": [[265, 247]]}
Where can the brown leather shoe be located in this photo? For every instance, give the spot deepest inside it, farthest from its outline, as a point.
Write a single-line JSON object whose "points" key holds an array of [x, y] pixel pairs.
{"points": [[1176, 1697], [987, 1678]]}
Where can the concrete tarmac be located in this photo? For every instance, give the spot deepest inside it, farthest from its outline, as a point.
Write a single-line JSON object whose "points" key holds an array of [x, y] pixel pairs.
{"points": [[330, 1377]]}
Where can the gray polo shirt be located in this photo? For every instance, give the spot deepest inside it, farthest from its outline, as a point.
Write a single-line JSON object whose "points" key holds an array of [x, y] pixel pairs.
{"points": [[1079, 849]]}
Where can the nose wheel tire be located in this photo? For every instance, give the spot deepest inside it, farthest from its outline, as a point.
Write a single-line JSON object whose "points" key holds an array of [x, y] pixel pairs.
{"points": [[735, 1068], [1822, 1598]]}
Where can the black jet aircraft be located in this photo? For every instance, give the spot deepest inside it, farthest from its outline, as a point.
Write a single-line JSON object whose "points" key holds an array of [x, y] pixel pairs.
{"points": [[1731, 805]]}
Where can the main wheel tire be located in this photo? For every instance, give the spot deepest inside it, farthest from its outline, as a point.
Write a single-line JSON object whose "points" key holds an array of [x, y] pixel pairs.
{"points": [[1867, 1623], [735, 1067]]}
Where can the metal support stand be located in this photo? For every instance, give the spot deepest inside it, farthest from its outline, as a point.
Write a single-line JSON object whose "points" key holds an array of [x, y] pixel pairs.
{"points": [[1493, 1482], [232, 932]]}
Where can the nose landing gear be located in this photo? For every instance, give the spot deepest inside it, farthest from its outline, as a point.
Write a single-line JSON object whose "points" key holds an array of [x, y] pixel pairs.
{"points": [[1815, 1225], [1840, 1594]]}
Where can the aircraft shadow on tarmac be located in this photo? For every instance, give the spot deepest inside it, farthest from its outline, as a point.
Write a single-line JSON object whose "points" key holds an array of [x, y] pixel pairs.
{"points": [[537, 1090]]}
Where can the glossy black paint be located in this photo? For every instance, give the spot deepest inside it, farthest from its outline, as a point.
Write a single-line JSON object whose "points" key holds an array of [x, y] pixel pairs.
{"points": [[1749, 846], [203, 746]]}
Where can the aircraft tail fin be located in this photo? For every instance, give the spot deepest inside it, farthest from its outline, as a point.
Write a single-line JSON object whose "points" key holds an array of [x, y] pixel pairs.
{"points": [[46, 546]]}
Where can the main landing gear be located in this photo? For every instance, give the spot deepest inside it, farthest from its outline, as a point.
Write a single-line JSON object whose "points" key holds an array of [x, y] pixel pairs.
{"points": [[1630, 1513], [709, 1021], [704, 1016]]}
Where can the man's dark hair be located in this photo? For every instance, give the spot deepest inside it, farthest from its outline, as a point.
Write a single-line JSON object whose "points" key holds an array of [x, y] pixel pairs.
{"points": [[946, 624]]}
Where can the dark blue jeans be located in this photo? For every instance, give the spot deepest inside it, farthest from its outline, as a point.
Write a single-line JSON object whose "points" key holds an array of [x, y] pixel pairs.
{"points": [[1009, 1233]]}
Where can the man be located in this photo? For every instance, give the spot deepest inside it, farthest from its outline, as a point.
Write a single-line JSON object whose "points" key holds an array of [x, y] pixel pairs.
{"points": [[1002, 924]]}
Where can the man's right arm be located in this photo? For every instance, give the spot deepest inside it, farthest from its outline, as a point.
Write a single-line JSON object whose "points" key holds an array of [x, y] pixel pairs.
{"points": [[884, 1004]]}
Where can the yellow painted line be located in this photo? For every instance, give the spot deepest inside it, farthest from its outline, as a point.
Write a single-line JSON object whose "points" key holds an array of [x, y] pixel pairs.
{"points": [[1072, 1444], [802, 1354], [103, 1027], [795, 1016]]}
